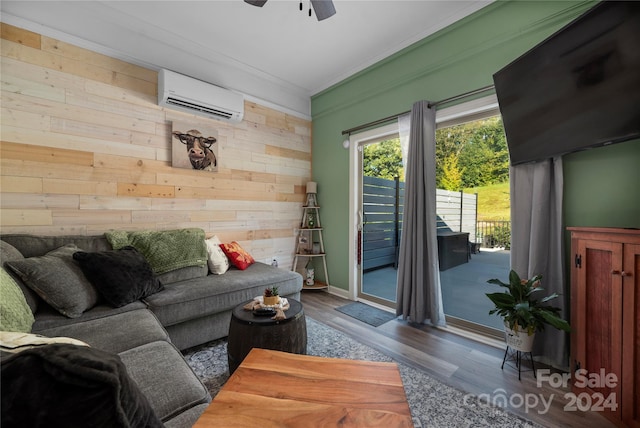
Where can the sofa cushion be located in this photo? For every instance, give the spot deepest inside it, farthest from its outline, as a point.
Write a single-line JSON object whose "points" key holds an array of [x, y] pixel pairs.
{"points": [[116, 332], [58, 280], [165, 378], [15, 313], [200, 297], [183, 274], [188, 418], [48, 318], [165, 250], [69, 385], [121, 276], [217, 261], [7, 253], [35, 245], [237, 255]]}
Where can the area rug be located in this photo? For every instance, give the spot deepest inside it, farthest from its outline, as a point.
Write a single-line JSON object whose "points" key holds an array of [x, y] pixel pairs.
{"points": [[432, 403], [366, 313]]}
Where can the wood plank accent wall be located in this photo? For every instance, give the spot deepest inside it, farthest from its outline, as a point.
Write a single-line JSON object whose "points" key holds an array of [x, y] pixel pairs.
{"points": [[85, 149]]}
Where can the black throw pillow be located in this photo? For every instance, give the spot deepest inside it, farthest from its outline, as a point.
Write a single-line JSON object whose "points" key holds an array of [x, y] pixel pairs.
{"points": [[121, 276]]}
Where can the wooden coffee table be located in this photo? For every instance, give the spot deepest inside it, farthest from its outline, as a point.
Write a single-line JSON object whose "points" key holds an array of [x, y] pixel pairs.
{"points": [[274, 388]]}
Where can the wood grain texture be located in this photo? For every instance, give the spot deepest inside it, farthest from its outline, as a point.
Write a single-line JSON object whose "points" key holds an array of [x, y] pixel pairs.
{"points": [[273, 388], [21, 36], [631, 336], [605, 315], [87, 148]]}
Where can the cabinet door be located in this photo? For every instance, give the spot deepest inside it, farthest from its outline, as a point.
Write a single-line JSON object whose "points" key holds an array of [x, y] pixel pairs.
{"points": [[599, 317], [631, 336]]}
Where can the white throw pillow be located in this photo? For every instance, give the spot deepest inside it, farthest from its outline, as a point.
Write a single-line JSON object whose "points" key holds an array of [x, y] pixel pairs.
{"points": [[217, 260]]}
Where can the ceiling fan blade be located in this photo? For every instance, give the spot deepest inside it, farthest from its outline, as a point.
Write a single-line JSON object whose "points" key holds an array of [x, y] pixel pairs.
{"points": [[323, 8], [258, 3]]}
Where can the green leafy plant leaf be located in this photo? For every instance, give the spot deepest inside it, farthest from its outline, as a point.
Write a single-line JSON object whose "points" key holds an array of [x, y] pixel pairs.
{"points": [[520, 308]]}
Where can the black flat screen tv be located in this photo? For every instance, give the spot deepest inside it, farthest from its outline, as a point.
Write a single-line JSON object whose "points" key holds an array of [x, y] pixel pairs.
{"points": [[579, 88]]}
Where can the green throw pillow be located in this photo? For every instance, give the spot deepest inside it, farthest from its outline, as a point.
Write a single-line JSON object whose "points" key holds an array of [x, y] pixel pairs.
{"points": [[15, 313]]}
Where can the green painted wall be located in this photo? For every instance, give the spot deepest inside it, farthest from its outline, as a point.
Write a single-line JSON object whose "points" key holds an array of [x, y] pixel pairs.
{"points": [[602, 186], [460, 58]]}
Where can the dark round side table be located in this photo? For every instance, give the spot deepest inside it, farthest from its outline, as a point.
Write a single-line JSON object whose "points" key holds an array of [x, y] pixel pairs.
{"points": [[248, 331]]}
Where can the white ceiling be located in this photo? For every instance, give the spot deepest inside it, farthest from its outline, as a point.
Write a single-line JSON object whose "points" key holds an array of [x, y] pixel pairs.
{"points": [[276, 53]]}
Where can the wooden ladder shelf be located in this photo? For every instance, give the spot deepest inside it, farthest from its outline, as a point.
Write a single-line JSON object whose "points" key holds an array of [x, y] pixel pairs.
{"points": [[307, 249]]}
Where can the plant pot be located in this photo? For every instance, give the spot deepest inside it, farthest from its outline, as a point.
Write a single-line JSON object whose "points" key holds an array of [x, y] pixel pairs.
{"points": [[519, 340], [271, 300]]}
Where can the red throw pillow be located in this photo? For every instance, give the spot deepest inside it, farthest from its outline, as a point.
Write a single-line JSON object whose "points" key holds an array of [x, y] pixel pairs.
{"points": [[237, 255]]}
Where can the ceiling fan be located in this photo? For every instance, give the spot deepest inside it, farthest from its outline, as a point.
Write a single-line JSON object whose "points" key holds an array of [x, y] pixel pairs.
{"points": [[323, 8]]}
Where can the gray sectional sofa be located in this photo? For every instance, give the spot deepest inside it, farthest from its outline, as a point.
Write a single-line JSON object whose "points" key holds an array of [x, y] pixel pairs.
{"points": [[194, 307]]}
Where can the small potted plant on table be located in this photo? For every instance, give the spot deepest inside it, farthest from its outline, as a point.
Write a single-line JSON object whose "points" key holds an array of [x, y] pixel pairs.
{"points": [[523, 312], [271, 296]]}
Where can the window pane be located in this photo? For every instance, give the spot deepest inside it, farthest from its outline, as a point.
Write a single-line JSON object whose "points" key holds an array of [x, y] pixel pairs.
{"points": [[473, 209]]}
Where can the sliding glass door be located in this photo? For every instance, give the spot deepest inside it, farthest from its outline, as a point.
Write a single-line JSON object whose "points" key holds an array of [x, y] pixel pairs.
{"points": [[379, 218], [472, 210]]}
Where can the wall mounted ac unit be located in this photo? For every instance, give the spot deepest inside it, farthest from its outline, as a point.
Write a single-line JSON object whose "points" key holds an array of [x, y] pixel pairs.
{"points": [[197, 97]]}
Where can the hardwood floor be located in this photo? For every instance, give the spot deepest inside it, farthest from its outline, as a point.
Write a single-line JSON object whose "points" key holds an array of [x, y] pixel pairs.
{"points": [[463, 363]]}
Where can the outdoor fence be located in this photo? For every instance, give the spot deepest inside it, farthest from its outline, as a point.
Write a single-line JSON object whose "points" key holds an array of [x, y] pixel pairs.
{"points": [[493, 234], [383, 204], [457, 212]]}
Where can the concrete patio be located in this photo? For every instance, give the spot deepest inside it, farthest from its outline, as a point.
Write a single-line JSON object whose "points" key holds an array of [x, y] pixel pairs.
{"points": [[463, 287]]}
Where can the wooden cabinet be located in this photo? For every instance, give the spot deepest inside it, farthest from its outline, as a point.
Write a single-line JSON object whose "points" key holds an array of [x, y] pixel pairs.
{"points": [[605, 319]]}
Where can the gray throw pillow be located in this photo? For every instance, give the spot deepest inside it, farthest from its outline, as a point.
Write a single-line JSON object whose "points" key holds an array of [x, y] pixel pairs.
{"points": [[58, 280], [9, 252]]}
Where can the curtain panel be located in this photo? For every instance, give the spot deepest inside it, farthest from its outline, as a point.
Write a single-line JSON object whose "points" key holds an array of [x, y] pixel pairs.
{"points": [[537, 244], [419, 296]]}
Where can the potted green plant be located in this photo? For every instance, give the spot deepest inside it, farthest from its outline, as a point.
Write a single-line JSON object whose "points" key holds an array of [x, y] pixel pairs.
{"points": [[523, 311], [271, 296]]}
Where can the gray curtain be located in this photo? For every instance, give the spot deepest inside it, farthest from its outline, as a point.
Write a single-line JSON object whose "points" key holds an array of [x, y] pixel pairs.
{"points": [[419, 297], [537, 242]]}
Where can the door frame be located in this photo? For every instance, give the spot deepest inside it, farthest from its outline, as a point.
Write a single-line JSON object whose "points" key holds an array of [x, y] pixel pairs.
{"points": [[460, 113], [386, 133], [356, 142]]}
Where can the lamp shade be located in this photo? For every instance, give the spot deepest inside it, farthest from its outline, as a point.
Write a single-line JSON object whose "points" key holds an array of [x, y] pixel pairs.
{"points": [[312, 187]]}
